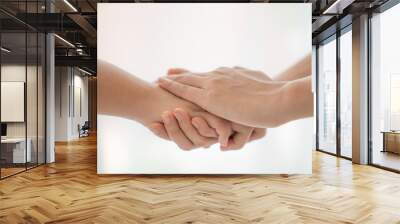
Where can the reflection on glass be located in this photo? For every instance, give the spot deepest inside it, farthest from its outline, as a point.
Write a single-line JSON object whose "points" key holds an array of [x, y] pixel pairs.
{"points": [[41, 98], [14, 150], [386, 89], [395, 102], [346, 94], [31, 100], [327, 97], [22, 91]]}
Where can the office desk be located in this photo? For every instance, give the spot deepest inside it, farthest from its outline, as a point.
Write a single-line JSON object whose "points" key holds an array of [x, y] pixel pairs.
{"points": [[13, 150], [391, 141]]}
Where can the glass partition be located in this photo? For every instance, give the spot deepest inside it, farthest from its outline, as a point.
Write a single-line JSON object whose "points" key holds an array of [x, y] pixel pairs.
{"points": [[32, 95], [34, 51], [346, 94], [14, 153], [327, 96], [22, 77]]}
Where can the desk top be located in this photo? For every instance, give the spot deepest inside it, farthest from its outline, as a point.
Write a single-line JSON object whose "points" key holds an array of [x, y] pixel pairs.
{"points": [[390, 132], [13, 140]]}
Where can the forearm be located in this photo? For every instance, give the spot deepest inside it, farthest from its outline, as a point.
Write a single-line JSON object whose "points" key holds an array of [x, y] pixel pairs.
{"points": [[289, 101], [121, 94], [297, 99], [299, 70]]}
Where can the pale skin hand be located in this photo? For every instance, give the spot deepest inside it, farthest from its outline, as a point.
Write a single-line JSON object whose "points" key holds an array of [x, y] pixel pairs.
{"points": [[225, 91], [186, 127], [123, 95], [299, 70]]}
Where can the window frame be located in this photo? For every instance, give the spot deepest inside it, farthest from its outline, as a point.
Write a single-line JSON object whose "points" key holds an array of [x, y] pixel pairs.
{"points": [[334, 37]]}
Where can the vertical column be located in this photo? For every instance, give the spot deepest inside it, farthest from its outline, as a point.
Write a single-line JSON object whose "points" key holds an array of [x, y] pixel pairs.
{"points": [[50, 99], [50, 92], [92, 100], [360, 90], [338, 91]]}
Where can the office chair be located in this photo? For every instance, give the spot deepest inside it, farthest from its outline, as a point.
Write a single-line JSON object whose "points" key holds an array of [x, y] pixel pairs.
{"points": [[84, 130]]}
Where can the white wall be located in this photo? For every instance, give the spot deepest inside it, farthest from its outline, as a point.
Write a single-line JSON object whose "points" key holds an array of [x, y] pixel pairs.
{"points": [[69, 82], [12, 73], [79, 110], [62, 81]]}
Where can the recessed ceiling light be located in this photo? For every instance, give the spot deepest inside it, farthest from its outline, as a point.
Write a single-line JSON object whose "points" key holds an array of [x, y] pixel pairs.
{"points": [[70, 5], [64, 40], [84, 71], [337, 7], [5, 50]]}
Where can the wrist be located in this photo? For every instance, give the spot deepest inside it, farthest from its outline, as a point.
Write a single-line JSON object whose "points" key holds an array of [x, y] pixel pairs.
{"points": [[141, 109], [297, 98], [151, 105], [295, 101], [275, 104], [158, 101]]}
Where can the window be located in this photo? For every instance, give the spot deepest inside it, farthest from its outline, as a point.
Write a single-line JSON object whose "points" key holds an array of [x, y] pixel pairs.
{"points": [[346, 94], [385, 89], [327, 96]]}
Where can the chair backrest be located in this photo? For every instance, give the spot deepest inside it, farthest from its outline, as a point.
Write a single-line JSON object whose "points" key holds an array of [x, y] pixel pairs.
{"points": [[86, 124]]}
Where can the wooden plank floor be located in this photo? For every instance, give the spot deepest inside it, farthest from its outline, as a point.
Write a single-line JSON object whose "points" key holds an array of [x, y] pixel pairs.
{"points": [[70, 191]]}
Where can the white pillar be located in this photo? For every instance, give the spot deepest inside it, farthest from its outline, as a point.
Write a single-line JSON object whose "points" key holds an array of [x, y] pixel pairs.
{"points": [[360, 90], [50, 99]]}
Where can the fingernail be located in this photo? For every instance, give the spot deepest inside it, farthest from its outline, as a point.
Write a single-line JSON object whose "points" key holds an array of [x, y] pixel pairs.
{"points": [[178, 115], [223, 142]]}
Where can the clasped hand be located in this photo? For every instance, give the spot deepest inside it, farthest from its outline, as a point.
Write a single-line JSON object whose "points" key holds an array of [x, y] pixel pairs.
{"points": [[195, 132], [231, 106]]}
